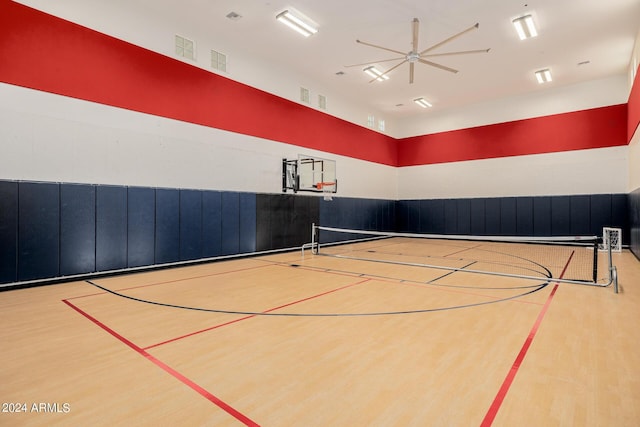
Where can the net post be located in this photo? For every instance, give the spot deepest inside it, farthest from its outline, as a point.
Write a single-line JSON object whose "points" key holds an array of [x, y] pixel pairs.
{"points": [[595, 260], [314, 248], [613, 273]]}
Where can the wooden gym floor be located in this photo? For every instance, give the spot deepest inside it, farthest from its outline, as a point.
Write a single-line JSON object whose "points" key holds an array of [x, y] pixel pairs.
{"points": [[303, 340]]}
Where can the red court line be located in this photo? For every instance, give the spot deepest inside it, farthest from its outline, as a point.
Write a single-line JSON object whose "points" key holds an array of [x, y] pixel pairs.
{"points": [[506, 385], [252, 315], [200, 390]]}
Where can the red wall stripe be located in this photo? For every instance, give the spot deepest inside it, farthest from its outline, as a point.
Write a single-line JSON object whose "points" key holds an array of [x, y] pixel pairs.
{"points": [[633, 116], [595, 128], [50, 54]]}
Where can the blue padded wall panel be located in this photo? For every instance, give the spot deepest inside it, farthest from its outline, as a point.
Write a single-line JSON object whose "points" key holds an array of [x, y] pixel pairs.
{"points": [[560, 216], [77, 229], [432, 216], [464, 216], [478, 217], [524, 216], [190, 224], [247, 222], [508, 216], [600, 205], [141, 217], [542, 216], [8, 231], [211, 223], [167, 244], [230, 223], [38, 230], [580, 215], [450, 216], [620, 215], [492, 216], [111, 228]]}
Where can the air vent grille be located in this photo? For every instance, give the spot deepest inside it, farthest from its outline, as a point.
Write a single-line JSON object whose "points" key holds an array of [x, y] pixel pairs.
{"points": [[185, 48]]}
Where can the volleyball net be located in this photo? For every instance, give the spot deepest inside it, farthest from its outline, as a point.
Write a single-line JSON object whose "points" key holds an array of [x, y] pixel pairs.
{"points": [[572, 259]]}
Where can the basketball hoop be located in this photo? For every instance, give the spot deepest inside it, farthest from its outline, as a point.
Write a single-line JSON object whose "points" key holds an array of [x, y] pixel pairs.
{"points": [[327, 189]]}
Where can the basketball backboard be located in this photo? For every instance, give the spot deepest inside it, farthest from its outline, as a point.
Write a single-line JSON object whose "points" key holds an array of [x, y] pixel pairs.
{"points": [[309, 173]]}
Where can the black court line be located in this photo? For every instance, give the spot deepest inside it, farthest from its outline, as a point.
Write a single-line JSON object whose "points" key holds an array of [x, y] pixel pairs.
{"points": [[363, 314]]}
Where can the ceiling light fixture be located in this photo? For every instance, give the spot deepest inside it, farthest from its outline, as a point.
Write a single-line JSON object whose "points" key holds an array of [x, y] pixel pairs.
{"points": [[375, 73], [525, 27], [543, 76], [422, 102], [298, 23]]}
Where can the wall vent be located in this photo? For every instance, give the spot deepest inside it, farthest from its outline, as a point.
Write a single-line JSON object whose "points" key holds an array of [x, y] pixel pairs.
{"points": [[322, 102], [218, 61], [304, 95], [185, 48]]}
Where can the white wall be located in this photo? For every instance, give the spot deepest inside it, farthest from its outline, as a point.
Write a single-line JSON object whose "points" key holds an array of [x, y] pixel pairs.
{"points": [[594, 171], [47, 137]]}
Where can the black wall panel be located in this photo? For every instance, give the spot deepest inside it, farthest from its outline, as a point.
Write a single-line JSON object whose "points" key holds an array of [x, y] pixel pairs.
{"points": [[508, 216], [190, 225], [247, 222], [111, 228], [8, 231], [524, 216], [141, 216], [560, 216], [492, 213], [38, 230], [77, 229], [167, 242], [211, 223], [478, 217], [230, 223], [580, 215], [542, 216]]}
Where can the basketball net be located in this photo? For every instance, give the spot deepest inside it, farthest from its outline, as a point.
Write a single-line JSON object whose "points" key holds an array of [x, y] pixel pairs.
{"points": [[327, 189]]}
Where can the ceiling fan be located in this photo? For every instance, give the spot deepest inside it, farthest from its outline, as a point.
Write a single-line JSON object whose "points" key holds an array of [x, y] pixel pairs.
{"points": [[415, 55]]}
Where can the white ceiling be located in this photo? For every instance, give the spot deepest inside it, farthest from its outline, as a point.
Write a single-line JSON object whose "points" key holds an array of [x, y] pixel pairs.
{"points": [[571, 31]]}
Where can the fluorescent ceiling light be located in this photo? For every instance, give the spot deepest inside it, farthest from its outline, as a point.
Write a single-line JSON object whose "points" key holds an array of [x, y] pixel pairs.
{"points": [[376, 74], [297, 23], [422, 102], [543, 76], [525, 27]]}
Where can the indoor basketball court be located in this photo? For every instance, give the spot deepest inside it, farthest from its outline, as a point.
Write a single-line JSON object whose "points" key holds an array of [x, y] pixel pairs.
{"points": [[399, 214]]}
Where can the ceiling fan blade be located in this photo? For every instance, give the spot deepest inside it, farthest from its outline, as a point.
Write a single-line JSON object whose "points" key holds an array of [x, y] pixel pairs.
{"points": [[433, 64], [390, 70], [380, 47], [373, 62], [411, 68], [462, 52], [416, 25], [474, 27]]}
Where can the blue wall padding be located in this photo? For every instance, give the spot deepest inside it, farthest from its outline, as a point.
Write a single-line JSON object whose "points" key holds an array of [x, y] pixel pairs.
{"points": [[77, 229], [230, 223], [524, 216], [190, 224], [111, 228], [560, 216], [542, 216], [8, 231], [211, 224], [140, 226], [38, 230], [51, 230], [247, 222], [167, 244]]}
